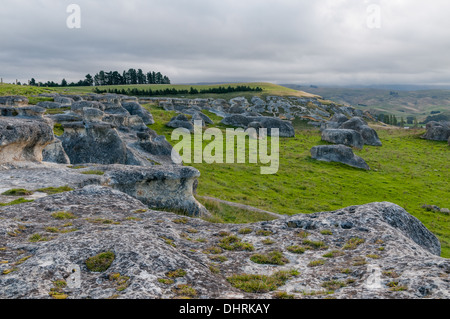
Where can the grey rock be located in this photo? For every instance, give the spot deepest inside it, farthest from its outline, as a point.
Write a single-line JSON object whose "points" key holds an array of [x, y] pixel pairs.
{"points": [[369, 135], [94, 143], [345, 137], [285, 127], [181, 121], [135, 108], [50, 105], [438, 131], [237, 121], [78, 107], [168, 187], [14, 100], [146, 249], [64, 101], [23, 139], [91, 114], [65, 118], [54, 153], [338, 153]]}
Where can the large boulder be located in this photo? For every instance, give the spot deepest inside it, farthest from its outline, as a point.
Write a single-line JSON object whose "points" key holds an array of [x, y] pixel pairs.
{"points": [[23, 139], [368, 134], [94, 143], [135, 108], [78, 107], [50, 105], [145, 245], [64, 101], [345, 137], [181, 121], [340, 154], [14, 100], [159, 187], [237, 120], [285, 127], [437, 131], [54, 153]]}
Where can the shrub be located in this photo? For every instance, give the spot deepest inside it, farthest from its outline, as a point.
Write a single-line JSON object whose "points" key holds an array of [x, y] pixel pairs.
{"points": [[100, 262]]}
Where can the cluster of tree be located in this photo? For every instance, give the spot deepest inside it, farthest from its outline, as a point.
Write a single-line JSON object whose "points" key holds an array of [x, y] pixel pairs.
{"points": [[88, 81], [173, 91], [132, 76], [393, 120], [437, 118]]}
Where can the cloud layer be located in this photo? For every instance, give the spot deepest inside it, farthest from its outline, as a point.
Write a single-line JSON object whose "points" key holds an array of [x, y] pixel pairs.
{"points": [[287, 41]]}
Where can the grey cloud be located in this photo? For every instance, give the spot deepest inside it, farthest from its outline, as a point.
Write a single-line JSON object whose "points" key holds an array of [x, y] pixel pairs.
{"points": [[298, 41]]}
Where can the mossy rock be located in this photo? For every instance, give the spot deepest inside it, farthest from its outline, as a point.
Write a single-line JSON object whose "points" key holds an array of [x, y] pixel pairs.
{"points": [[100, 262]]}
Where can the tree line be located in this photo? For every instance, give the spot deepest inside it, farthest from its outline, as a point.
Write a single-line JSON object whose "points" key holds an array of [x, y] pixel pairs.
{"points": [[173, 91], [132, 76], [395, 121]]}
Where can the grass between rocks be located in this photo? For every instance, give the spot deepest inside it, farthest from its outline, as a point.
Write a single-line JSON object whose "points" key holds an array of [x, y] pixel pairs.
{"points": [[406, 170]]}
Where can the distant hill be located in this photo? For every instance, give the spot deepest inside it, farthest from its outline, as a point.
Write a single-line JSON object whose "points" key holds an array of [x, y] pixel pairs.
{"points": [[402, 103]]}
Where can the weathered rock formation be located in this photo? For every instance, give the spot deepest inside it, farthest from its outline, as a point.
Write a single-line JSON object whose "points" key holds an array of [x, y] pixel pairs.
{"points": [[438, 131], [23, 139], [375, 251], [368, 134], [285, 127], [338, 153], [14, 100], [345, 137]]}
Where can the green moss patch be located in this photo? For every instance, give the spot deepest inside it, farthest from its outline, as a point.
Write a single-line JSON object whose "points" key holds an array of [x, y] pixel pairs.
{"points": [[100, 262]]}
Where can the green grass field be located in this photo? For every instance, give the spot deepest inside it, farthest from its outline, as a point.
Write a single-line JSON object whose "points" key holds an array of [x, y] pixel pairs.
{"points": [[268, 89], [407, 171]]}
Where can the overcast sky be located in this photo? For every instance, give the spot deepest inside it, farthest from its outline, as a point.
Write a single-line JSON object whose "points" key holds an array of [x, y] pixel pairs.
{"points": [[284, 41]]}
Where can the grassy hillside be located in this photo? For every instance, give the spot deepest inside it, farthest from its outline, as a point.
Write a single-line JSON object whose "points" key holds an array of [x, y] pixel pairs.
{"points": [[402, 103], [407, 171], [268, 89], [11, 89]]}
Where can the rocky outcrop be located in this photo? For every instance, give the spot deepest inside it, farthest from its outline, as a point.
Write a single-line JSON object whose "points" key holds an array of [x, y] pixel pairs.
{"points": [[135, 108], [345, 137], [181, 121], [97, 142], [285, 127], [169, 188], [368, 134], [14, 100], [159, 255], [54, 153], [338, 153], [438, 131], [23, 139]]}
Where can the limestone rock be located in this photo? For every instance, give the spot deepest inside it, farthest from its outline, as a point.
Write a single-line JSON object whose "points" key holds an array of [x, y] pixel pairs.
{"points": [[338, 153], [369, 135], [14, 100], [50, 105], [345, 137], [135, 108], [181, 121], [168, 187], [23, 139], [438, 131], [54, 153], [148, 244], [93, 143]]}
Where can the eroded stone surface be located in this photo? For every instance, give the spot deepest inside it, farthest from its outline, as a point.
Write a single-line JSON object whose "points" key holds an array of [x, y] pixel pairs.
{"points": [[148, 245]]}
